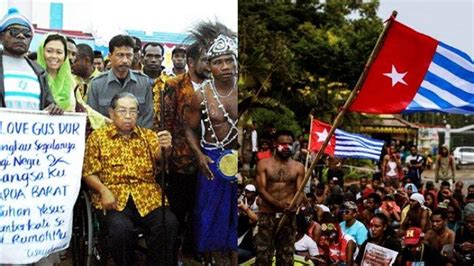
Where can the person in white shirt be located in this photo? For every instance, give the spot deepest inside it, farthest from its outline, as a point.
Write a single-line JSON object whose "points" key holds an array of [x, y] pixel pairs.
{"points": [[304, 245]]}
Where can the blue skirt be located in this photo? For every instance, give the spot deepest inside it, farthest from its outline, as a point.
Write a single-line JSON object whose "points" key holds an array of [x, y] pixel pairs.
{"points": [[215, 214]]}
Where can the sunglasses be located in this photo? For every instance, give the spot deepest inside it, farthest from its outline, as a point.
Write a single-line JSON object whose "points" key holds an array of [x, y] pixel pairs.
{"points": [[16, 31], [347, 212]]}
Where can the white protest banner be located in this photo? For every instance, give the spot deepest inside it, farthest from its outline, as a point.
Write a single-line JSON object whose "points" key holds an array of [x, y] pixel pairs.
{"points": [[376, 255], [41, 160]]}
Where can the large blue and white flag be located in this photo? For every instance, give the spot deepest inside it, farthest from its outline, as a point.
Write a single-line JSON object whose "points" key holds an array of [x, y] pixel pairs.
{"points": [[448, 85], [357, 146]]}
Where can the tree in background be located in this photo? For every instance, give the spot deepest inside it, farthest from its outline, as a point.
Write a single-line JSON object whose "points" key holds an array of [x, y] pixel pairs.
{"points": [[302, 58]]}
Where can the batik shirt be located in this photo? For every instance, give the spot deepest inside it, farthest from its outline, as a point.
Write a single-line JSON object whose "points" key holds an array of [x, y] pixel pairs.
{"points": [[124, 164], [178, 95], [158, 86]]}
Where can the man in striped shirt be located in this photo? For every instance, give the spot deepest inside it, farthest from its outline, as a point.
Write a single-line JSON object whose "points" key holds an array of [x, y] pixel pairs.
{"points": [[22, 82]]}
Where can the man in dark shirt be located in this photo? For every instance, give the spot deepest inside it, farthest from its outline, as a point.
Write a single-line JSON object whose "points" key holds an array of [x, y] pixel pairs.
{"points": [[464, 243], [416, 252]]}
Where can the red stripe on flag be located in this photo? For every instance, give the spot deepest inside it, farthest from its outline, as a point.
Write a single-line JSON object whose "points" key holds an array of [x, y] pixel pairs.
{"points": [[397, 71]]}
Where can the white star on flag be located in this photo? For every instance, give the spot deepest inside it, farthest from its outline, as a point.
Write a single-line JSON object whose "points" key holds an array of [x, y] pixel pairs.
{"points": [[322, 135], [396, 76]]}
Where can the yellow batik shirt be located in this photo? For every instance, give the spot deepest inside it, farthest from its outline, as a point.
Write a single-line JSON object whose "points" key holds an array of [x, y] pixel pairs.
{"points": [[158, 86], [124, 164]]}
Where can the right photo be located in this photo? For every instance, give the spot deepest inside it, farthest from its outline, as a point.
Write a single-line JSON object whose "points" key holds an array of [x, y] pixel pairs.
{"points": [[356, 132]]}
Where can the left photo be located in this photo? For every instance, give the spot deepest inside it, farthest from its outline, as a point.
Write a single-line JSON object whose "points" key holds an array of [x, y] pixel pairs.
{"points": [[118, 132]]}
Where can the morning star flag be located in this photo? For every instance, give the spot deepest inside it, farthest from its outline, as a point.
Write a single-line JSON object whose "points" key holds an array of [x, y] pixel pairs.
{"points": [[343, 144], [416, 73]]}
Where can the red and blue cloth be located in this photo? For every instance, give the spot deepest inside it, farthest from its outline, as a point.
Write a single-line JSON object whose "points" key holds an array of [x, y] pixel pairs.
{"points": [[416, 73]]}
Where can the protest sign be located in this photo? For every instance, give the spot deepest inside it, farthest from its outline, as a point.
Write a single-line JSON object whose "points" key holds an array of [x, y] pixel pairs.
{"points": [[41, 160], [376, 255]]}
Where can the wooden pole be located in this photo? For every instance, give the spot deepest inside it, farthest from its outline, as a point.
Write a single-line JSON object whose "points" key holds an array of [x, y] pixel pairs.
{"points": [[337, 121], [163, 185], [309, 143]]}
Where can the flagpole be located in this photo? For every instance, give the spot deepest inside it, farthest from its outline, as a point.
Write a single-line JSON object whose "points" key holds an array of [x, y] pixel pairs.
{"points": [[337, 121], [309, 143]]}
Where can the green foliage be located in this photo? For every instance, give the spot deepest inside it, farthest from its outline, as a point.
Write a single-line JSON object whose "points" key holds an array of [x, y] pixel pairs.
{"points": [[306, 56], [284, 120]]}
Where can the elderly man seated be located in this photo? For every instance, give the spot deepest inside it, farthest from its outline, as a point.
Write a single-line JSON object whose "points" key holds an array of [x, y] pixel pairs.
{"points": [[119, 167]]}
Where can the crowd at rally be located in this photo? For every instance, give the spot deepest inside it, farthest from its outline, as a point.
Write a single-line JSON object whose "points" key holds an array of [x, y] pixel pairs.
{"points": [[139, 115], [426, 222]]}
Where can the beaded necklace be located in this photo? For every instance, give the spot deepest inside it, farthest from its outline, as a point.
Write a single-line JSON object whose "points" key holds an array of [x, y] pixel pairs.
{"points": [[218, 144]]}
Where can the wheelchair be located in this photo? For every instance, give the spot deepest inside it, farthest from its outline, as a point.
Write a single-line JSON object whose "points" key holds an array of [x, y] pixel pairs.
{"points": [[84, 242], [88, 242]]}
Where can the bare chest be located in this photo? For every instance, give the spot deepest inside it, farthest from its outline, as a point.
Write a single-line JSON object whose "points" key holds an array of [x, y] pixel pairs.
{"points": [[281, 173], [439, 240], [219, 110]]}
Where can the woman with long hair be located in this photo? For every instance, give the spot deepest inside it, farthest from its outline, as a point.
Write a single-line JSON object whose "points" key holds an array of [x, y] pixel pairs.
{"points": [[52, 56], [381, 234]]}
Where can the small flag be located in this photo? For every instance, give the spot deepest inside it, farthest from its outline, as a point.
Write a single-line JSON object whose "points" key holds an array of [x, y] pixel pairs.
{"points": [[344, 144], [416, 73]]}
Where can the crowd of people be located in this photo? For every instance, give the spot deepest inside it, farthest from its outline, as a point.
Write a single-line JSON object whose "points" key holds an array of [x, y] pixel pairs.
{"points": [[425, 222], [143, 123]]}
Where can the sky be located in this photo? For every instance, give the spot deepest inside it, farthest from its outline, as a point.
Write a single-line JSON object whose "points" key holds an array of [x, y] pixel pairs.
{"points": [[448, 21], [113, 15]]}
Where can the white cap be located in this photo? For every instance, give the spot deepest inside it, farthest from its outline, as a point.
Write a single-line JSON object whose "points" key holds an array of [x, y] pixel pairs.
{"points": [[324, 208], [250, 188]]}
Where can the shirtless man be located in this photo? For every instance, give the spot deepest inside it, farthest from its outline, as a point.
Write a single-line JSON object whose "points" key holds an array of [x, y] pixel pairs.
{"points": [[215, 106], [278, 180], [440, 237]]}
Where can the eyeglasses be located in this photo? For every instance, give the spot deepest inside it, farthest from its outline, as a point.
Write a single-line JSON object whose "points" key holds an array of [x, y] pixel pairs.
{"points": [[124, 112], [347, 212], [14, 32]]}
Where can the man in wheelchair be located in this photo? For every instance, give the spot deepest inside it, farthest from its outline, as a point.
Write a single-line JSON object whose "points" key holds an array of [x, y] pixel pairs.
{"points": [[119, 167]]}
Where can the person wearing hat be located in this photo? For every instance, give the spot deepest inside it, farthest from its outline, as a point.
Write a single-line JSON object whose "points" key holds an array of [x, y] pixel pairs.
{"points": [[248, 205], [418, 215], [416, 252], [247, 222], [350, 225], [23, 83], [178, 56], [335, 247], [211, 132]]}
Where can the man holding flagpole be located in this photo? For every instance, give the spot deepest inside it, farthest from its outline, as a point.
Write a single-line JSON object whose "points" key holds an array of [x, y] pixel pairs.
{"points": [[278, 180]]}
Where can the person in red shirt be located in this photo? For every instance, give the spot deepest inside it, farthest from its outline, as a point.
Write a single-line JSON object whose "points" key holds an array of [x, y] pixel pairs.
{"points": [[265, 151], [335, 247]]}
